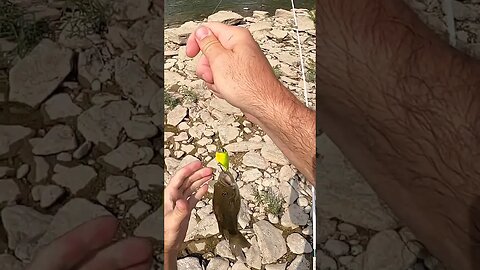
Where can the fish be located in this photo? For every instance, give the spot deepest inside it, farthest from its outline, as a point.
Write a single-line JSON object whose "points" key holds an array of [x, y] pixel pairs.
{"points": [[226, 206]]}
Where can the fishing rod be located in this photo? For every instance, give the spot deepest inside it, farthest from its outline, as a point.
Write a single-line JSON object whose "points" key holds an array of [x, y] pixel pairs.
{"points": [[305, 93]]}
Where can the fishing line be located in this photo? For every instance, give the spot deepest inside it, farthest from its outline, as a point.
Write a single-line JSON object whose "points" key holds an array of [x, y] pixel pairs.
{"points": [[305, 92], [217, 6]]}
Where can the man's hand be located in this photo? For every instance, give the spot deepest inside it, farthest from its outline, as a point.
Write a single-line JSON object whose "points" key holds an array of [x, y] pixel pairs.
{"points": [[182, 193], [90, 247], [234, 67]]}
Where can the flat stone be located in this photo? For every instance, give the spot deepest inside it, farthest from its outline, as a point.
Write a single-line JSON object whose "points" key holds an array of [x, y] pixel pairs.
{"points": [[175, 116], [273, 154], [223, 250], [243, 146], [343, 193], [9, 262], [337, 247], [251, 175], [9, 191], [59, 138], [148, 176], [191, 263], [61, 106], [124, 156], [65, 157], [253, 159], [134, 81], [224, 107], [139, 209], [102, 124], [11, 135], [75, 178], [282, 13], [253, 256], [325, 262], [116, 184], [40, 169], [218, 263], [278, 35], [300, 263], [135, 9], [298, 244], [152, 37], [22, 171], [228, 133], [260, 26], [23, 224], [82, 150], [6, 171], [294, 217], [75, 212], [305, 23], [37, 75], [226, 17], [277, 266], [239, 266], [186, 160], [347, 229], [149, 226], [48, 194], [386, 250], [206, 227], [288, 193], [270, 241]]}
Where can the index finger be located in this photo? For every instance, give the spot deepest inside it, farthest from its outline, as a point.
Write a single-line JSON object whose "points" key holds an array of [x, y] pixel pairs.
{"points": [[181, 175]]}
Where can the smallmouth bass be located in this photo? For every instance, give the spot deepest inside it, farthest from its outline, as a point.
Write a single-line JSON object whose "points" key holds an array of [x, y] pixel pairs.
{"points": [[226, 206]]}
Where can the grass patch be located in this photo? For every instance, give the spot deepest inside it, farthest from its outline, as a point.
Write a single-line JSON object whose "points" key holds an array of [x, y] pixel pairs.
{"points": [[87, 17], [277, 71], [21, 27], [170, 100], [310, 74], [272, 202], [189, 94]]}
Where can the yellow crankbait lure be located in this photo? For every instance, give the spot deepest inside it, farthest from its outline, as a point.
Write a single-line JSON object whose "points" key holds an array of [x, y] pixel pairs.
{"points": [[221, 157]]}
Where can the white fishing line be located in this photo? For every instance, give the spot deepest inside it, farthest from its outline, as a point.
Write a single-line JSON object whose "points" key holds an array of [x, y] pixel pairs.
{"points": [[450, 20], [305, 92]]}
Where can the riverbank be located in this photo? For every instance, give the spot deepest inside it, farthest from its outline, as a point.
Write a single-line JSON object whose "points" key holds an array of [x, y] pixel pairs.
{"points": [[276, 201]]}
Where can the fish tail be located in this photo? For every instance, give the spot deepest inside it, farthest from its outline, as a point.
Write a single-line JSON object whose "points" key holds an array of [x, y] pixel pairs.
{"points": [[237, 242]]}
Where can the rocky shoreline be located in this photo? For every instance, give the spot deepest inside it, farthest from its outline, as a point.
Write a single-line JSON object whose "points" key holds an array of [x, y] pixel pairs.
{"points": [[198, 123]]}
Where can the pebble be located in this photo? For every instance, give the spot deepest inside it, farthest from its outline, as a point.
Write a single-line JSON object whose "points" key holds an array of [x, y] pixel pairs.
{"points": [[252, 159], [298, 244], [140, 130], [347, 229], [22, 171], [75, 178], [9, 191], [336, 247], [115, 185], [66, 157], [139, 209], [58, 139], [82, 150], [270, 241]]}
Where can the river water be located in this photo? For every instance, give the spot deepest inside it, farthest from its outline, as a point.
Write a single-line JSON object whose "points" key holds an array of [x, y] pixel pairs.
{"points": [[180, 11]]}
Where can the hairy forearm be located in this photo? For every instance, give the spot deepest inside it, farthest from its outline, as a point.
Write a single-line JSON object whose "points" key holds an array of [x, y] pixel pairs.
{"points": [[291, 126], [404, 107]]}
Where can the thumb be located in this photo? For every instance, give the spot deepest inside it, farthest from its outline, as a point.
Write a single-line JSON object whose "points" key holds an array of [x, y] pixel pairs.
{"points": [[208, 43], [181, 209]]}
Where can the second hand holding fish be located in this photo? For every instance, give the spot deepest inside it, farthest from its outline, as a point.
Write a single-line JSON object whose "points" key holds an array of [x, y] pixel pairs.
{"points": [[226, 206]]}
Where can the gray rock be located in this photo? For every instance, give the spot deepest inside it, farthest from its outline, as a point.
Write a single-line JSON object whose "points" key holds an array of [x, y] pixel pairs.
{"points": [[9, 191], [243, 215], [61, 106], [239, 266], [223, 250], [129, 195], [149, 226], [40, 170], [386, 250], [325, 228], [278, 35], [224, 107], [282, 13], [75, 178], [218, 263], [186, 160], [140, 130], [23, 224], [82, 150], [206, 227], [344, 194], [37, 75], [115, 185], [103, 198], [124, 156], [252, 255], [134, 81], [152, 37], [139, 209], [6, 171], [252, 159], [148, 176], [347, 229], [260, 26], [180, 34], [288, 193], [298, 244], [9, 262], [273, 154], [102, 124], [294, 216], [277, 266], [226, 17], [175, 116], [337, 247], [270, 241], [325, 262], [59, 138], [243, 146], [22, 171], [190, 263], [300, 263], [251, 175], [66, 157], [286, 173], [227, 134], [47, 194], [74, 213], [11, 135], [134, 9]]}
